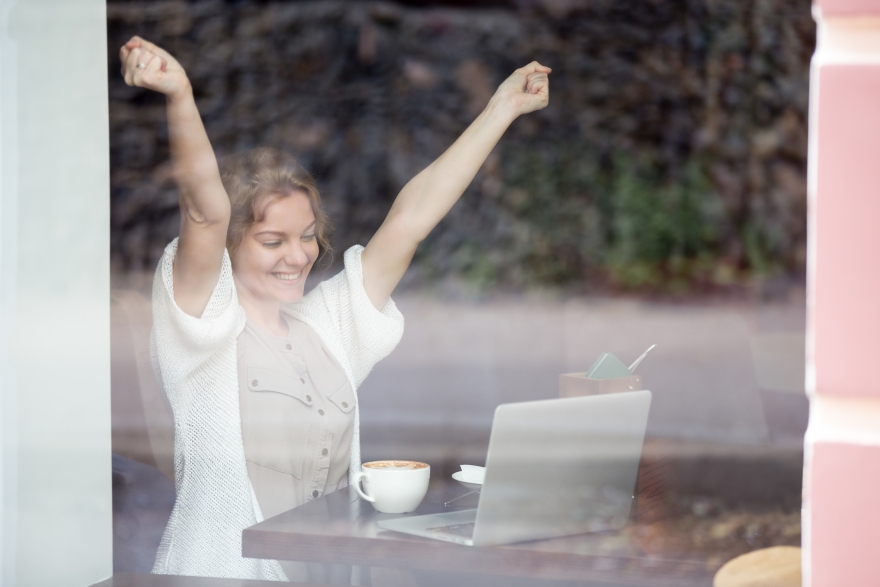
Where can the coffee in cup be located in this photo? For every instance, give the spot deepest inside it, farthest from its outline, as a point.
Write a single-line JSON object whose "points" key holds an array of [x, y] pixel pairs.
{"points": [[393, 487]]}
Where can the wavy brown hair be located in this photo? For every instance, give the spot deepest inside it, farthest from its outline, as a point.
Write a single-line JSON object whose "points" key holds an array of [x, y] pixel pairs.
{"points": [[256, 178]]}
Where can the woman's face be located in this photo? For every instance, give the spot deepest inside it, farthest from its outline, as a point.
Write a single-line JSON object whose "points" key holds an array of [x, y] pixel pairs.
{"points": [[276, 253]]}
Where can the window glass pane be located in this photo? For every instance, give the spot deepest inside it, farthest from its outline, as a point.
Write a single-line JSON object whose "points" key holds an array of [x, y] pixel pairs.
{"points": [[658, 200]]}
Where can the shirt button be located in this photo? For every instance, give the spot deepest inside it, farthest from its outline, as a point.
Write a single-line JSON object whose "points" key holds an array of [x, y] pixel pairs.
{"points": [[321, 412], [315, 493], [308, 398], [288, 346], [344, 404], [301, 380], [324, 452], [255, 382]]}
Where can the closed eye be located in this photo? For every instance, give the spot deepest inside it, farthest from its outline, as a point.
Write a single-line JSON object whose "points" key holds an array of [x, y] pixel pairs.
{"points": [[272, 244]]}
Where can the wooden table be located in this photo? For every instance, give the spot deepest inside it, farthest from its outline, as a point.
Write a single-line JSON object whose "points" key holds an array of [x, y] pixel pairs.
{"points": [[341, 528], [149, 580]]}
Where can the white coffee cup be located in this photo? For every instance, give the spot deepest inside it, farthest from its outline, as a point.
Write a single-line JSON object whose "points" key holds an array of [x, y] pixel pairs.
{"points": [[393, 487]]}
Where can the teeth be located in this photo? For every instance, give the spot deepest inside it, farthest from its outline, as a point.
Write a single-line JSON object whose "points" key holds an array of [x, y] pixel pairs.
{"points": [[286, 276]]}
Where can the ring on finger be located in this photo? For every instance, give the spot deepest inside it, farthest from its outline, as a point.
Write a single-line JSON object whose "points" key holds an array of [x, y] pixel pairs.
{"points": [[141, 66]]}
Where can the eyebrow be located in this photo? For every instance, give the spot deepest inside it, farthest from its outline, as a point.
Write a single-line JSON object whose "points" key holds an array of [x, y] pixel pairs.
{"points": [[283, 234]]}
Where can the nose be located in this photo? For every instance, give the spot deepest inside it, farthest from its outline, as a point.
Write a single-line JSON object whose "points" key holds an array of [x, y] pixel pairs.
{"points": [[295, 255]]}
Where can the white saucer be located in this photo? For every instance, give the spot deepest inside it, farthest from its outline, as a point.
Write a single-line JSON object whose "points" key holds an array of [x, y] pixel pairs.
{"points": [[469, 484]]}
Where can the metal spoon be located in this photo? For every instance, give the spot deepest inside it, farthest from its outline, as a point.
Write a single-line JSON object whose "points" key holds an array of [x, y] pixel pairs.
{"points": [[445, 504]]}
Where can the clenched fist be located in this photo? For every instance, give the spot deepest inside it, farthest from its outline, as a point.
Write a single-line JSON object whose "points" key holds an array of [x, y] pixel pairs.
{"points": [[145, 65], [526, 90]]}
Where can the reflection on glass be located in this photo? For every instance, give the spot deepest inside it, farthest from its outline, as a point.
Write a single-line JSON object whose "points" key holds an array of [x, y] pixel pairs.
{"points": [[658, 200]]}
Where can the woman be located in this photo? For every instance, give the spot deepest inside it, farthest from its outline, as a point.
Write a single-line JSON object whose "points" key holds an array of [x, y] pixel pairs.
{"points": [[261, 378]]}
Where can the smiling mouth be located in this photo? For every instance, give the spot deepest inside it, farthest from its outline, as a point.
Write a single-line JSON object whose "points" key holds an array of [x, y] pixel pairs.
{"points": [[287, 276]]}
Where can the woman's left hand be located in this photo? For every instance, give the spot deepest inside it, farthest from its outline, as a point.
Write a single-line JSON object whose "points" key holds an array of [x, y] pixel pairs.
{"points": [[526, 90], [428, 197]]}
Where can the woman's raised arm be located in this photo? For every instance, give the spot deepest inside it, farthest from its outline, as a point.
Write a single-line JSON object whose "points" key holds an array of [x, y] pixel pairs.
{"points": [[425, 200], [204, 206]]}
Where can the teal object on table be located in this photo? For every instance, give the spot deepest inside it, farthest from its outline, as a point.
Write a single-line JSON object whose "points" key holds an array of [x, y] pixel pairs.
{"points": [[607, 366]]}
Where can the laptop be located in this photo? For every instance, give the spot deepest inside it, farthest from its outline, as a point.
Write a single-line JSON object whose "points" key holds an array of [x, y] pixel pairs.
{"points": [[554, 468]]}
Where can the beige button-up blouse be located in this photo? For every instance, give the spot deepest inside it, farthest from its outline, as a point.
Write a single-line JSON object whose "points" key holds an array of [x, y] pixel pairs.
{"points": [[297, 416]]}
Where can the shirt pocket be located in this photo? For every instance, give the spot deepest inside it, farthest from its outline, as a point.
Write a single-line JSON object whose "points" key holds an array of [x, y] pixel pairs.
{"points": [[279, 420], [343, 398]]}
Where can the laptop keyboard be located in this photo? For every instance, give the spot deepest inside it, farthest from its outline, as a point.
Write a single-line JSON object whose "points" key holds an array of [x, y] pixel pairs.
{"points": [[466, 530]]}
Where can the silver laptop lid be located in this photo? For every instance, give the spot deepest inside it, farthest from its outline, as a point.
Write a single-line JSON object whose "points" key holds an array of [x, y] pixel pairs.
{"points": [[560, 467]]}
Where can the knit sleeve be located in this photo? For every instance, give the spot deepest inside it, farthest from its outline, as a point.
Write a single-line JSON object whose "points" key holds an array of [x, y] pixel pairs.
{"points": [[363, 334], [189, 340]]}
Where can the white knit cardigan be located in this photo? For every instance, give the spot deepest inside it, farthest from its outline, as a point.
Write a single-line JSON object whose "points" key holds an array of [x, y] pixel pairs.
{"points": [[195, 362]]}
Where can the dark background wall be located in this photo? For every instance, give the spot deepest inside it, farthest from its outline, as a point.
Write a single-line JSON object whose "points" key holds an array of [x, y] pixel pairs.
{"points": [[672, 156]]}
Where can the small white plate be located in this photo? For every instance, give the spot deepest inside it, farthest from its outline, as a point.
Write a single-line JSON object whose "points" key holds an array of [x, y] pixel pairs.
{"points": [[458, 475]]}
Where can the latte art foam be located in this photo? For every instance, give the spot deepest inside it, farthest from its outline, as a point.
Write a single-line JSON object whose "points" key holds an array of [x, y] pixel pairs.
{"points": [[395, 465]]}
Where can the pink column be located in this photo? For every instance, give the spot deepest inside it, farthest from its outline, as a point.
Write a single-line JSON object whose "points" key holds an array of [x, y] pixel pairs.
{"points": [[842, 462]]}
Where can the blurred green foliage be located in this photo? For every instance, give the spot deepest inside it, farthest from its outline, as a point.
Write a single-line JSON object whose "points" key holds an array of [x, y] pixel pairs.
{"points": [[644, 226], [672, 157]]}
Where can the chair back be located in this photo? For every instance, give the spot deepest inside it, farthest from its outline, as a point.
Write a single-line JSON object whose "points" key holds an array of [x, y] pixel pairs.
{"points": [[141, 420]]}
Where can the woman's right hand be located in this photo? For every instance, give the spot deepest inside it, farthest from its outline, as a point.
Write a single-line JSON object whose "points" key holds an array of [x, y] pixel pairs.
{"points": [[145, 65], [204, 206]]}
